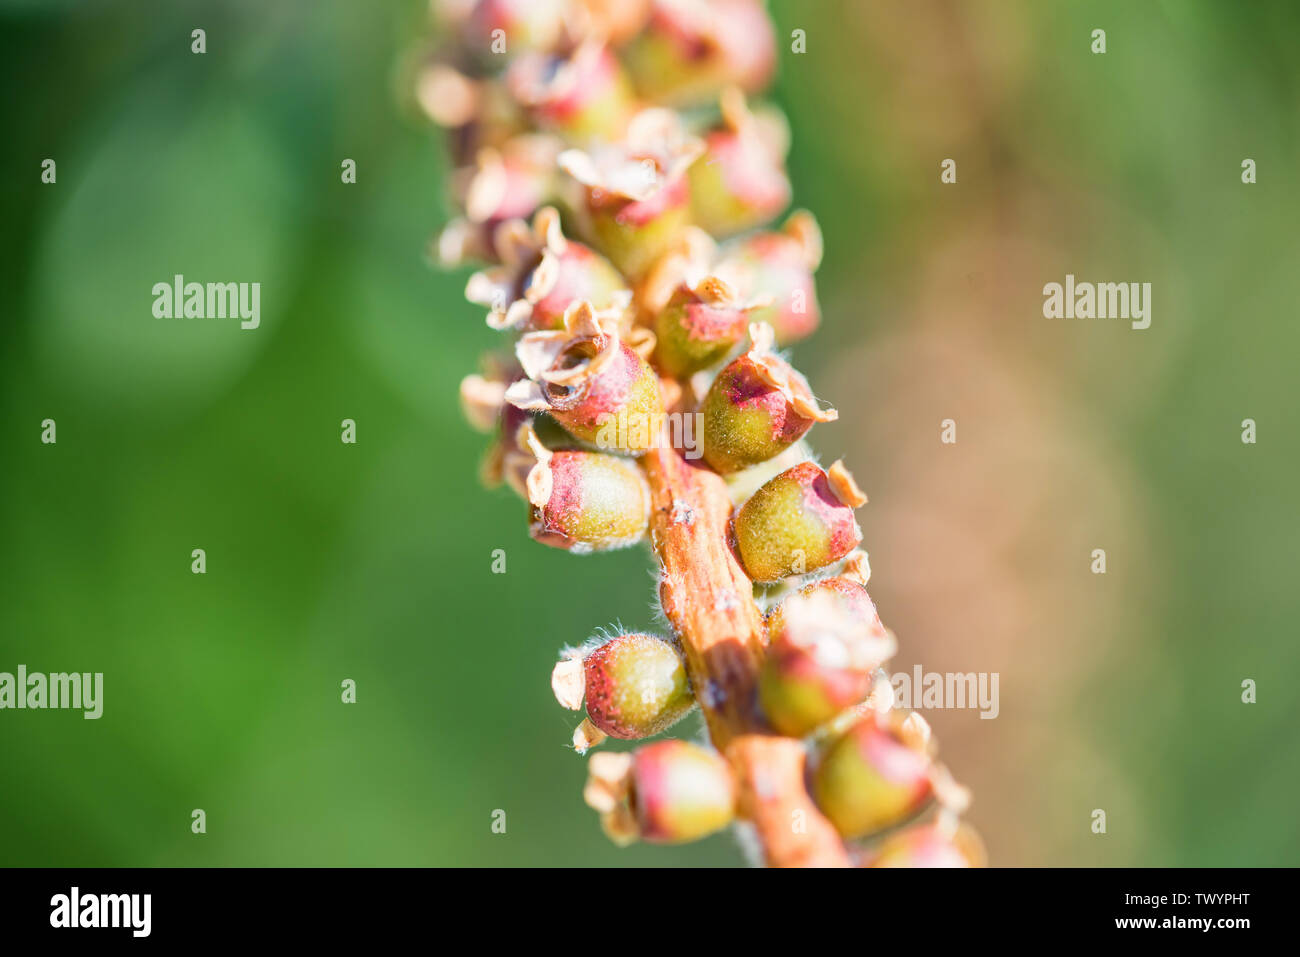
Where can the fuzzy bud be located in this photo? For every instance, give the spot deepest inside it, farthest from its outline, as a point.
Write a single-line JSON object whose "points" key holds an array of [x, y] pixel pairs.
{"points": [[778, 267], [798, 522], [942, 844], [757, 407], [586, 501], [698, 327], [876, 775], [740, 182], [542, 275], [668, 792], [820, 662], [592, 382], [635, 685], [583, 95], [635, 195], [691, 51]]}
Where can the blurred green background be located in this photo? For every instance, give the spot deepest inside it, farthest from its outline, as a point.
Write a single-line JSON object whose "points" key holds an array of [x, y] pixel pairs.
{"points": [[328, 561]]}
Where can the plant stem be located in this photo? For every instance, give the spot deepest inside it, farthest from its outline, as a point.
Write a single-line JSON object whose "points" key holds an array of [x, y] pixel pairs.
{"points": [[708, 599]]}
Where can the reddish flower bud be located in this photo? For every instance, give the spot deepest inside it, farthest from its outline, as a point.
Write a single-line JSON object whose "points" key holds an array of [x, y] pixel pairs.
{"points": [[635, 685], [741, 181], [668, 792], [778, 268], [580, 96], [592, 382], [798, 522], [876, 775], [586, 501], [635, 196], [542, 275], [506, 183], [819, 663], [943, 844], [757, 407], [848, 589], [690, 51], [698, 326]]}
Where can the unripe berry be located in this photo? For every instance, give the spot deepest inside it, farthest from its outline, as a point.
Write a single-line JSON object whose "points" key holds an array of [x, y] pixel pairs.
{"points": [[668, 792], [580, 96], [698, 327], [820, 662], [875, 775], [741, 183], [542, 275], [778, 268], [798, 522], [943, 844], [635, 196], [586, 501], [592, 382], [635, 685], [757, 407]]}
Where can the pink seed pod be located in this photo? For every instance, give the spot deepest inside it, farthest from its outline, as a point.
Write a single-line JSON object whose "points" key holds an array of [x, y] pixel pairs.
{"points": [[582, 95], [942, 844], [820, 663], [503, 184], [592, 382], [635, 686], [634, 195], [757, 407], [848, 589], [778, 267], [542, 274], [690, 51], [879, 773], [798, 522], [741, 182], [585, 501], [698, 326], [668, 792]]}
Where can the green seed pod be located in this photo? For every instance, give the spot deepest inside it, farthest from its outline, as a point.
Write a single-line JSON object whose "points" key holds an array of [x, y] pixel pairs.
{"points": [[876, 775], [635, 686], [635, 195], [757, 407], [542, 274], [668, 792], [586, 501], [943, 844], [741, 183], [778, 267], [798, 522], [592, 382], [698, 326], [581, 95], [820, 662], [848, 589]]}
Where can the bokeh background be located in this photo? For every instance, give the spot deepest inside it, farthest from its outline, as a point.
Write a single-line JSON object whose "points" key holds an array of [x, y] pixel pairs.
{"points": [[326, 561]]}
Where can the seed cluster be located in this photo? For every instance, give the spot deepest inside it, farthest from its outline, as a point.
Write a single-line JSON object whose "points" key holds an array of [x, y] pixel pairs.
{"points": [[618, 185]]}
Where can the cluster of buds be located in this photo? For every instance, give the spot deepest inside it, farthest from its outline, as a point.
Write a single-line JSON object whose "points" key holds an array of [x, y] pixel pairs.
{"points": [[617, 188]]}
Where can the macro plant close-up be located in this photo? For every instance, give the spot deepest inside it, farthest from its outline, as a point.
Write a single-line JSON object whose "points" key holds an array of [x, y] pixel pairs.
{"points": [[627, 435], [620, 176]]}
